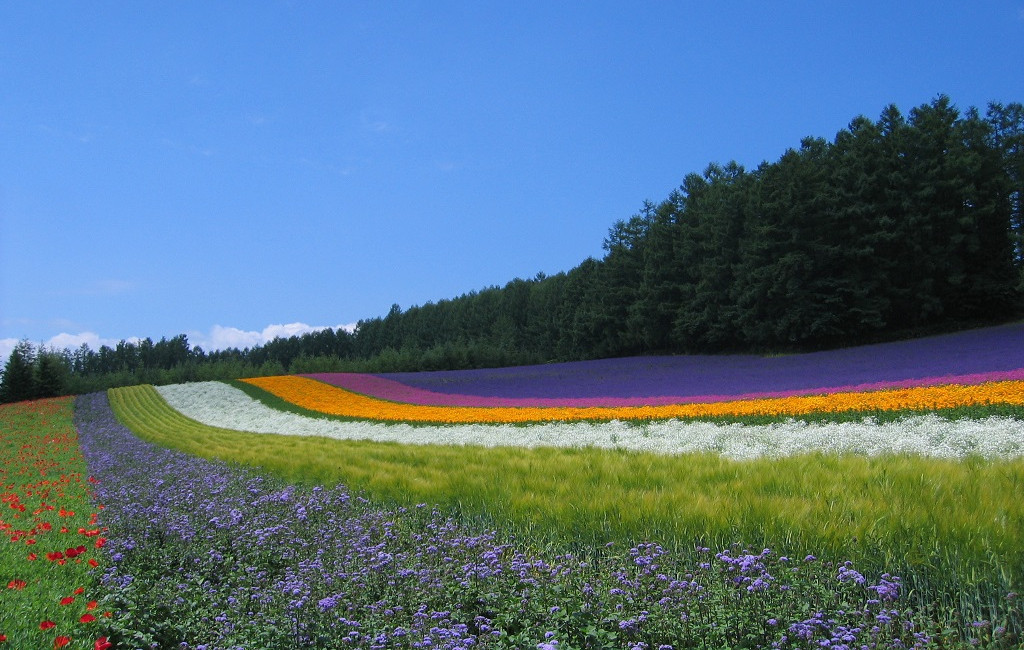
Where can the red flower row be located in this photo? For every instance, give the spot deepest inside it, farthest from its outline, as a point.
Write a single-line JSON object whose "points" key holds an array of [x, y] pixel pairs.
{"points": [[59, 499]]}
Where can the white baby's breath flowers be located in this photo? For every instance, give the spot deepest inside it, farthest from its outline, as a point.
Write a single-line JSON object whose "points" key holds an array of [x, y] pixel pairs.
{"points": [[220, 405]]}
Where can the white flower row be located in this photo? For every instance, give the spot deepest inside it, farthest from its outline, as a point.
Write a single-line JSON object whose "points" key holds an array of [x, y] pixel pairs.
{"points": [[220, 405]]}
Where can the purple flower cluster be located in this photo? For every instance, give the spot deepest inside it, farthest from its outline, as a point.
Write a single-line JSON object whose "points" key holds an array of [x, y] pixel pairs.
{"points": [[976, 352], [211, 555]]}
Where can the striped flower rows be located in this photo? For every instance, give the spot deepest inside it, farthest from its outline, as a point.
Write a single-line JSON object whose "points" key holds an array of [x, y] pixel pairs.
{"points": [[219, 405], [394, 390], [324, 398]]}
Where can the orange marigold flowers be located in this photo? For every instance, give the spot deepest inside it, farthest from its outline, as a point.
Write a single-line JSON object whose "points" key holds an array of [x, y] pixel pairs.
{"points": [[318, 396]]}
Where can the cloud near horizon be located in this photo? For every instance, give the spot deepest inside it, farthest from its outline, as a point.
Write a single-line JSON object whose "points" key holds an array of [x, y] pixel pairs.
{"points": [[218, 338], [221, 338]]}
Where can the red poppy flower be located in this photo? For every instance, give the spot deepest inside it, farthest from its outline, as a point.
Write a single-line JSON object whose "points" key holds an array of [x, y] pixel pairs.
{"points": [[67, 600], [87, 618], [17, 584], [46, 625], [93, 563], [3, 638], [102, 644], [79, 591], [91, 605], [32, 556], [61, 641]]}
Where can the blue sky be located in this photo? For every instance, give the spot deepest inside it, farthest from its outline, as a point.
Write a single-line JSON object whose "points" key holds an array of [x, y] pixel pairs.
{"points": [[234, 173]]}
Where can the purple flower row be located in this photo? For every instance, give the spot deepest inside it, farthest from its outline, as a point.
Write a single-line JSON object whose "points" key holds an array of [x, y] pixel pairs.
{"points": [[208, 555], [989, 354], [396, 391]]}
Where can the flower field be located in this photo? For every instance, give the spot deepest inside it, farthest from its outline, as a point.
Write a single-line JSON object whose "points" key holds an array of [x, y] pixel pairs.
{"points": [[969, 357], [51, 548], [983, 368], [220, 405], [629, 503], [324, 398], [248, 561]]}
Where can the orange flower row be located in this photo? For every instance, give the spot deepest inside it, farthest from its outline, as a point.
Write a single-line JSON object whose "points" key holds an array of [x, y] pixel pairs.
{"points": [[324, 398]]}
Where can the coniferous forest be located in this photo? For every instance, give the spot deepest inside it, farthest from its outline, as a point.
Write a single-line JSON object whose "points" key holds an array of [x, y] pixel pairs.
{"points": [[899, 226]]}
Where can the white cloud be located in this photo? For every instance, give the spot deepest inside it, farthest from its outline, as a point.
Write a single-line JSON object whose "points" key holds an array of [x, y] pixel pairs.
{"points": [[63, 341], [94, 341], [6, 347], [220, 337]]}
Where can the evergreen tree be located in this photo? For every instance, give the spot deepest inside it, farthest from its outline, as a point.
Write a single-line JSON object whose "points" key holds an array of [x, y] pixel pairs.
{"points": [[1007, 138], [711, 216], [51, 374], [18, 382]]}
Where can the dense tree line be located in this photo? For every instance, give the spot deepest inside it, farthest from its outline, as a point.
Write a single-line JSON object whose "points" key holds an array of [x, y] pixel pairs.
{"points": [[901, 225], [898, 226]]}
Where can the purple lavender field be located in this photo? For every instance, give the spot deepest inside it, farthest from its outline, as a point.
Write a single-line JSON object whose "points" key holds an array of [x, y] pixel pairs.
{"points": [[970, 357]]}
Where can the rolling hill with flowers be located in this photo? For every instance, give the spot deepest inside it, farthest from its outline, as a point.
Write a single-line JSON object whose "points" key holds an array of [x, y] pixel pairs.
{"points": [[863, 497], [899, 459]]}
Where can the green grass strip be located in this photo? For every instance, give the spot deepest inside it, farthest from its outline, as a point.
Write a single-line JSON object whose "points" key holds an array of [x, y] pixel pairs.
{"points": [[941, 517]]}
